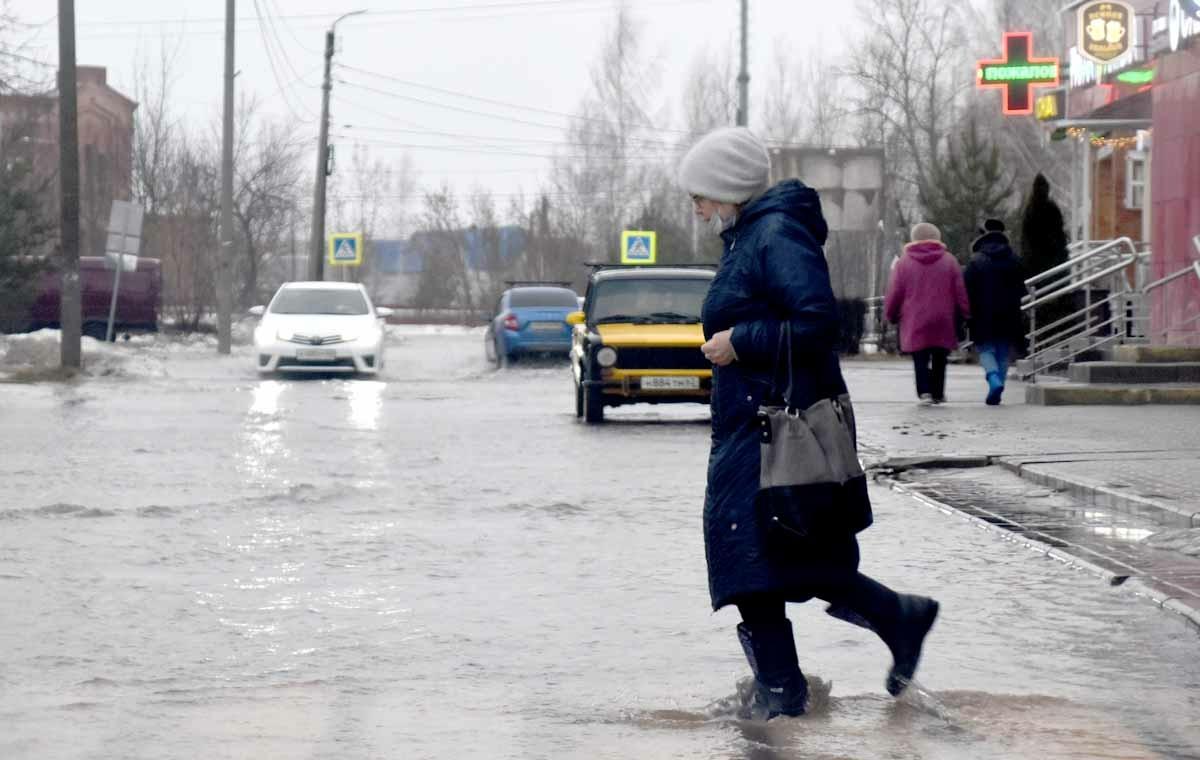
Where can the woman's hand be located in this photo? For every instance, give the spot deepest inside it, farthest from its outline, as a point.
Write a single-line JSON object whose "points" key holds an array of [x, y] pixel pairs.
{"points": [[719, 350]]}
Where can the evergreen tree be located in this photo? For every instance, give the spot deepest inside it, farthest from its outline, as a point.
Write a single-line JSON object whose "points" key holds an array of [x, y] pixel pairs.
{"points": [[25, 229], [966, 186]]}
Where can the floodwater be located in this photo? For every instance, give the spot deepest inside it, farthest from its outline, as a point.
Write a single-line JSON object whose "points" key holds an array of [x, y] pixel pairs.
{"points": [[444, 563]]}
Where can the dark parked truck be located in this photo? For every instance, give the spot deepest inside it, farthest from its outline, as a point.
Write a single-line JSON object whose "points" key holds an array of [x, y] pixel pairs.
{"points": [[137, 300]]}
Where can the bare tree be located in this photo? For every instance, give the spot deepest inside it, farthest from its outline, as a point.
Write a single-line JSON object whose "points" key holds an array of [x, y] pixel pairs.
{"points": [[710, 98], [803, 102], [611, 140], [20, 71], [445, 281], [910, 75], [268, 181]]}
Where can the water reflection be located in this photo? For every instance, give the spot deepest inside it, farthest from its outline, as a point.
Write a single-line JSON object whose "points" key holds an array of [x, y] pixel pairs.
{"points": [[261, 442], [366, 403], [266, 397]]}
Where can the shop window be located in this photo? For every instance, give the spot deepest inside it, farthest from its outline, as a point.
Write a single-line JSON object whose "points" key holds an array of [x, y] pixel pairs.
{"points": [[1135, 180]]}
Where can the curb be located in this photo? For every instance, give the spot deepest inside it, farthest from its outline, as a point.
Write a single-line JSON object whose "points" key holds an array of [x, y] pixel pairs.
{"points": [[1102, 496], [1161, 600]]}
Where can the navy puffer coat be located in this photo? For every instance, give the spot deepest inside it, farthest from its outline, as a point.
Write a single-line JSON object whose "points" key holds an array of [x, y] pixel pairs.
{"points": [[995, 286], [772, 269]]}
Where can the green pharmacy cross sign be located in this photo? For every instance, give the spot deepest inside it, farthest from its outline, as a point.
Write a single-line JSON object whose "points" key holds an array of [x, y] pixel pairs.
{"points": [[1018, 73]]}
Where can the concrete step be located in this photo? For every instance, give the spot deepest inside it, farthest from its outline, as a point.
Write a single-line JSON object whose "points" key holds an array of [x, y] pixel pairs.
{"points": [[1134, 372], [1074, 394], [1156, 354]]}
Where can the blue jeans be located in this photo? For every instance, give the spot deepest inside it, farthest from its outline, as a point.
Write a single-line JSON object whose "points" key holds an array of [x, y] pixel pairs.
{"points": [[993, 357]]}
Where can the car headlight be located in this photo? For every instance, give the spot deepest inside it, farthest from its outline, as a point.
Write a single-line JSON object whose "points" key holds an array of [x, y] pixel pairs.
{"points": [[285, 334], [606, 357]]}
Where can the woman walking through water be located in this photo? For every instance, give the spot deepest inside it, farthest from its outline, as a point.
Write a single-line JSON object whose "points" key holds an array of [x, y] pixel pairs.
{"points": [[773, 276]]}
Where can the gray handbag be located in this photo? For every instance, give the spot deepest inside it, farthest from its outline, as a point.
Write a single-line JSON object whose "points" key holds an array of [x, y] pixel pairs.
{"points": [[810, 479]]}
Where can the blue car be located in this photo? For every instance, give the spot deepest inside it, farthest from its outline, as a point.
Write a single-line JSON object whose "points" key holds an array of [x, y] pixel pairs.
{"points": [[531, 319]]}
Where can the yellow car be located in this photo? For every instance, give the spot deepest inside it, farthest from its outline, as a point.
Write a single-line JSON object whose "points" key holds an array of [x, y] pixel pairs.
{"points": [[638, 339]]}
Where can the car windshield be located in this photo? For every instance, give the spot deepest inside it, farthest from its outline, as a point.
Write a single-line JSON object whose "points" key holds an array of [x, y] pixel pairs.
{"points": [[554, 298], [319, 301], [649, 300]]}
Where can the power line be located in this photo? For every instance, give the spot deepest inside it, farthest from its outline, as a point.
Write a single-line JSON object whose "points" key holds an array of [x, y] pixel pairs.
{"points": [[484, 139], [483, 11], [410, 99], [283, 22], [504, 104], [499, 150], [263, 29]]}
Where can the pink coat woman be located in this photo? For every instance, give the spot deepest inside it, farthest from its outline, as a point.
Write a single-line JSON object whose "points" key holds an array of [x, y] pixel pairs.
{"points": [[927, 297]]}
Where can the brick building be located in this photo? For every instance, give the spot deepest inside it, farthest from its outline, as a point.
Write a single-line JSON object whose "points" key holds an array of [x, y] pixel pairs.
{"points": [[1137, 121], [29, 130]]}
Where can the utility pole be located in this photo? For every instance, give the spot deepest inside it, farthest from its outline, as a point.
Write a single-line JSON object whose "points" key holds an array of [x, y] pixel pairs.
{"points": [[225, 252], [70, 308], [316, 259], [743, 114]]}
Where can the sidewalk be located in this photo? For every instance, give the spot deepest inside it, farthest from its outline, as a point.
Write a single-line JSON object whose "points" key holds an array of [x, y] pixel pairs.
{"points": [[1116, 489]]}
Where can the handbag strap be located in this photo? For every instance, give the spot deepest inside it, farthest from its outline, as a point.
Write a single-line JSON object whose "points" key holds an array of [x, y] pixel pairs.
{"points": [[784, 353]]}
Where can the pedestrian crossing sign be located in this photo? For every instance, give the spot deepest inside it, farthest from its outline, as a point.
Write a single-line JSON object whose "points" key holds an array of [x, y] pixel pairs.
{"points": [[345, 249], [639, 247]]}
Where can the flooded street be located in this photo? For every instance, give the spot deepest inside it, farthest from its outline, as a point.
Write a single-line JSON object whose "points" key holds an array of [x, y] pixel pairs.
{"points": [[445, 563]]}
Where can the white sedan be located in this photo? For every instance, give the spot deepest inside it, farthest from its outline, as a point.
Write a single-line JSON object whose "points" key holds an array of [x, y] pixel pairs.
{"points": [[320, 327]]}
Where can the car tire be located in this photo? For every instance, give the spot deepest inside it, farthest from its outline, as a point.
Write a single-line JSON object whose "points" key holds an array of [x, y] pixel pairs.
{"points": [[97, 330], [490, 349], [593, 402]]}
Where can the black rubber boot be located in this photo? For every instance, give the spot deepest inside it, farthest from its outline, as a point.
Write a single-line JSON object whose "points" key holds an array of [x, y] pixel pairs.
{"points": [[781, 688], [917, 614], [901, 620]]}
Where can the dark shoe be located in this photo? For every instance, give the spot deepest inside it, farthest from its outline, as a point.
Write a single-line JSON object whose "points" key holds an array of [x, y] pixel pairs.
{"points": [[917, 614], [995, 388], [780, 687]]}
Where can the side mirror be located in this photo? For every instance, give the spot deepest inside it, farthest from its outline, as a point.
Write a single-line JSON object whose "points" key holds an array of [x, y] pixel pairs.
{"points": [[258, 311], [383, 312], [575, 318]]}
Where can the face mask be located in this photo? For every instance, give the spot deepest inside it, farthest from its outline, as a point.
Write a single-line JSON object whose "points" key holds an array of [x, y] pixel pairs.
{"points": [[717, 225]]}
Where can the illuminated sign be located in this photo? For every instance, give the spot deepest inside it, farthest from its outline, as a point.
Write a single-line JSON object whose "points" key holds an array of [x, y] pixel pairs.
{"points": [[1018, 73], [1182, 22], [1137, 76], [1105, 30], [1050, 106]]}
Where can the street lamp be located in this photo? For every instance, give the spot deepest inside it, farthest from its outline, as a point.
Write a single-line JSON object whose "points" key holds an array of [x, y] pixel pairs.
{"points": [[317, 243]]}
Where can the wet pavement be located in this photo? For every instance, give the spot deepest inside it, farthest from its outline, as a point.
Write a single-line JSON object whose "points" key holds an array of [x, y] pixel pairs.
{"points": [[1140, 459], [444, 563]]}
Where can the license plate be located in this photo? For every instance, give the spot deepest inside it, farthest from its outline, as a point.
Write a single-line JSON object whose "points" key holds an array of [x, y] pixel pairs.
{"points": [[546, 327], [670, 383], [316, 354]]}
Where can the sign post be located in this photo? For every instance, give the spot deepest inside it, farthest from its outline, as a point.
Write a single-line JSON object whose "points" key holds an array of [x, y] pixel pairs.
{"points": [[1018, 73], [639, 247], [124, 241]]}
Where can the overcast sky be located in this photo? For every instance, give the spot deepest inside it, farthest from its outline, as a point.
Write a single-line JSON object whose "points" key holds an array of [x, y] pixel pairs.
{"points": [[531, 53]]}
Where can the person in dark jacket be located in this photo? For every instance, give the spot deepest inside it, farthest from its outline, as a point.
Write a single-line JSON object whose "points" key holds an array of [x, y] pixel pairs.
{"points": [[995, 287], [773, 271]]}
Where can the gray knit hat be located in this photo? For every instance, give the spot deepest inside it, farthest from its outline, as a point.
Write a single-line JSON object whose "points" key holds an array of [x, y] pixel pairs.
{"points": [[728, 165]]}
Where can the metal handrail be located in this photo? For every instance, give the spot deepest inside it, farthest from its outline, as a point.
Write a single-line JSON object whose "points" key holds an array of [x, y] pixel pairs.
{"points": [[1070, 317], [1072, 263], [1077, 285], [1195, 267]]}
